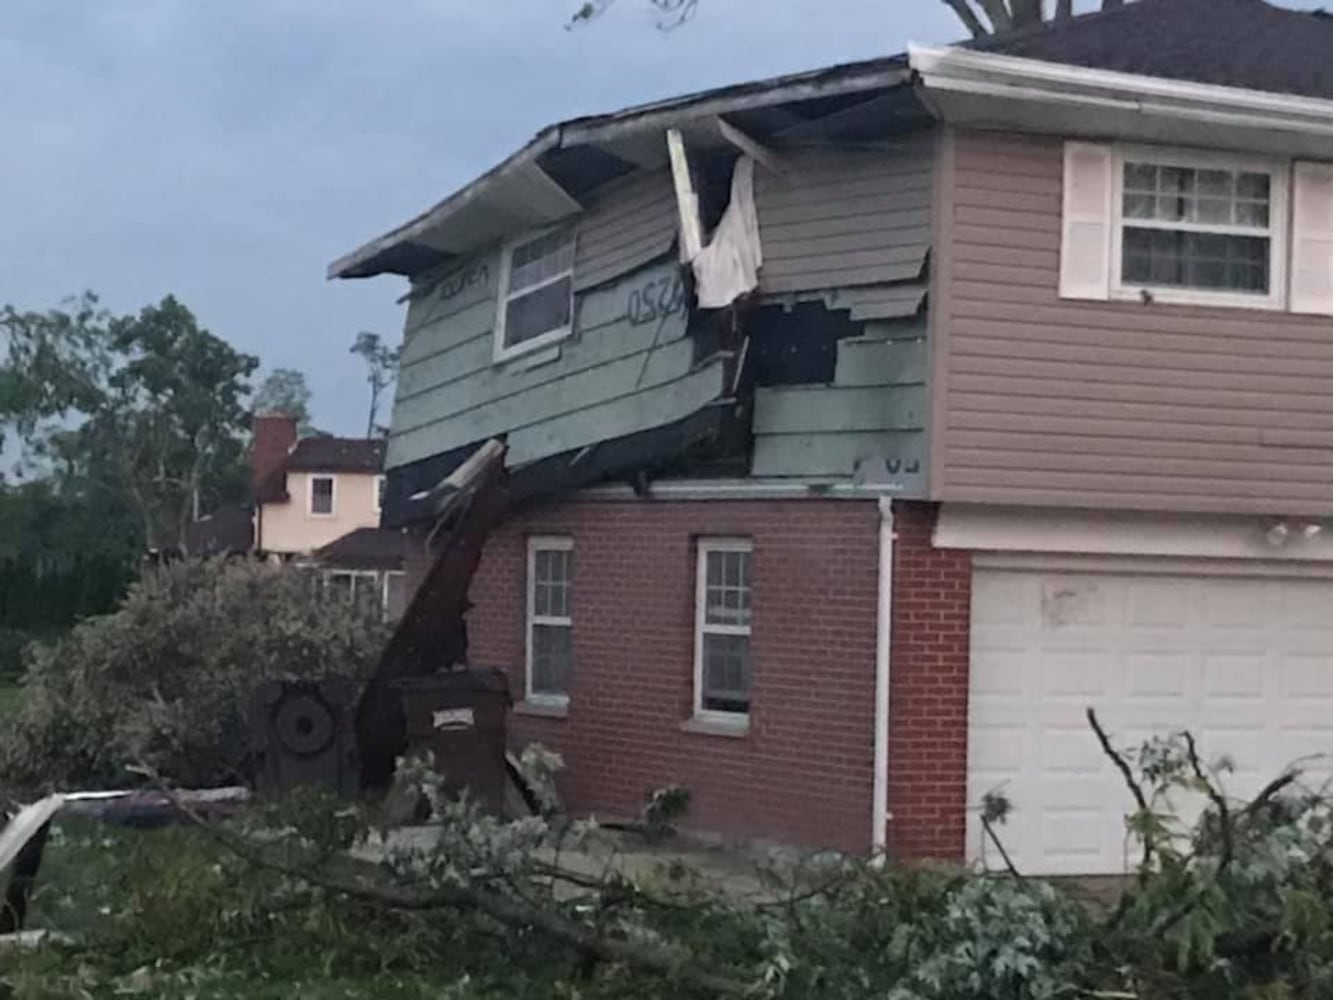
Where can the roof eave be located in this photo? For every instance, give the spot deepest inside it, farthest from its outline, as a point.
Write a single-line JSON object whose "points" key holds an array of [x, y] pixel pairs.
{"points": [[969, 87], [523, 166]]}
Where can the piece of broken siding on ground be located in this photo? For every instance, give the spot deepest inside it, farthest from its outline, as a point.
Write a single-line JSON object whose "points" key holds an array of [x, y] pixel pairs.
{"points": [[845, 235]]}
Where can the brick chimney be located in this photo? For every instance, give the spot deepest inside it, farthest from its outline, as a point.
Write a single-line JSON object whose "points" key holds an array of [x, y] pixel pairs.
{"points": [[274, 435]]}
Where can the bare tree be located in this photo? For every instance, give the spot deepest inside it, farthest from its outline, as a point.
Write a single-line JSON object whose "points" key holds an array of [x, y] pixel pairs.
{"points": [[984, 18]]}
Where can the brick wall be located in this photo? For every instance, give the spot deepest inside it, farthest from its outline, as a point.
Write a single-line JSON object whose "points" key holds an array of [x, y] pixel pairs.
{"points": [[803, 774], [928, 691]]}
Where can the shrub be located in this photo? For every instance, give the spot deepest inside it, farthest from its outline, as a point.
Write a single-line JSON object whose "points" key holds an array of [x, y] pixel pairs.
{"points": [[167, 678]]}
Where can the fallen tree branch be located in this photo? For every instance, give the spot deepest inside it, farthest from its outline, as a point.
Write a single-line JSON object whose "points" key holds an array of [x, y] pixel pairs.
{"points": [[1141, 800], [1122, 765], [363, 881]]}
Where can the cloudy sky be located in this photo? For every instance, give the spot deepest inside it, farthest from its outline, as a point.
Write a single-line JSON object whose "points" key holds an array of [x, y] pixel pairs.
{"points": [[227, 151]]}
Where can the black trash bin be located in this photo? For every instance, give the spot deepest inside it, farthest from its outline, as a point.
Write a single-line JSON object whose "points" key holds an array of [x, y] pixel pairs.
{"points": [[459, 715]]}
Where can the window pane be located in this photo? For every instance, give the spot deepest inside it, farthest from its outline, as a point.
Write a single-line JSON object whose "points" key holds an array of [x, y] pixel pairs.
{"points": [[551, 582], [726, 673], [321, 495], [1210, 261], [395, 602], [552, 658], [339, 586], [541, 259], [727, 594], [1205, 197], [547, 309]]}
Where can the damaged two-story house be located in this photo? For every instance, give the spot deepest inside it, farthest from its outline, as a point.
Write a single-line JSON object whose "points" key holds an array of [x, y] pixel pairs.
{"points": [[868, 425]]}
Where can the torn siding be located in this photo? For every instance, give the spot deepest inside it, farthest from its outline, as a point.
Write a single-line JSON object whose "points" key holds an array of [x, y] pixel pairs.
{"points": [[867, 422], [846, 240], [843, 218], [630, 222], [627, 367]]}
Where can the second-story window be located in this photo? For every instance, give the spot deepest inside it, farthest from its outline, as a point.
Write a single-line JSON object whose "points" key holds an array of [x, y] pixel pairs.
{"points": [[536, 293], [1189, 227], [379, 493], [1192, 223], [321, 496]]}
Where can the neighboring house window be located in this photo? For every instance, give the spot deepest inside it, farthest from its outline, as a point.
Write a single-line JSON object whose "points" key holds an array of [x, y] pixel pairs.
{"points": [[379, 494], [550, 620], [388, 590], [1186, 227], [722, 670], [321, 496], [536, 304], [395, 595], [351, 585]]}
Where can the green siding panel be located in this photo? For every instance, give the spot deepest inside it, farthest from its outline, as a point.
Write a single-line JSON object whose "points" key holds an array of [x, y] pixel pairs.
{"points": [[627, 367], [873, 361], [839, 454], [798, 409], [868, 423]]}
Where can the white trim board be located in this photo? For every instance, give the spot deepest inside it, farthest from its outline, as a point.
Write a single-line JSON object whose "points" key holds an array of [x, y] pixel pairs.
{"points": [[1110, 533], [1007, 92]]}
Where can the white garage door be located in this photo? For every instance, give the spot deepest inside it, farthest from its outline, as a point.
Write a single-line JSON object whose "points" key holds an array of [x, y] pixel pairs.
{"points": [[1246, 664]]}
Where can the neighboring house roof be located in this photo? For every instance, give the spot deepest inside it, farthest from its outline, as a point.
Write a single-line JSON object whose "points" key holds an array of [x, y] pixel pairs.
{"points": [[227, 531], [332, 454], [366, 548], [1231, 43]]}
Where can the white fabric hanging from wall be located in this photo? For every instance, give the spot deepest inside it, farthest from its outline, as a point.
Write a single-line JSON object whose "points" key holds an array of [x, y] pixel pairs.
{"points": [[728, 267]]}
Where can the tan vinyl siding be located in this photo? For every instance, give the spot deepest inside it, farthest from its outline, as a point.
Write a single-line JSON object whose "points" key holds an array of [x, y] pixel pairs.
{"points": [[1107, 404], [841, 218]]}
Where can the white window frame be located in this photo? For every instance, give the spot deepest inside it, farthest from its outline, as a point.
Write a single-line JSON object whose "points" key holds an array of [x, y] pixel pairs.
{"points": [[310, 495], [1279, 226], [503, 352], [355, 575], [384, 589], [542, 543], [702, 627]]}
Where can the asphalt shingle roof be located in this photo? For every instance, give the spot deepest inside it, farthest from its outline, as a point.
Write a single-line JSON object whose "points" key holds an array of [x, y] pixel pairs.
{"points": [[333, 454], [1234, 43]]}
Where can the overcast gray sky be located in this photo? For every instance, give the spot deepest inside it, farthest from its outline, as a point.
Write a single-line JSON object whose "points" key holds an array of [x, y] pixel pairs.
{"points": [[227, 150]]}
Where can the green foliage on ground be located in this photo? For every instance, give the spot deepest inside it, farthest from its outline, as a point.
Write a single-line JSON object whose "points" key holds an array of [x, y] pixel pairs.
{"points": [[1238, 905], [166, 679]]}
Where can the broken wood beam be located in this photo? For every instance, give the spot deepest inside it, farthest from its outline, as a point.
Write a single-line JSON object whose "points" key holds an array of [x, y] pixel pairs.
{"points": [[432, 634]]}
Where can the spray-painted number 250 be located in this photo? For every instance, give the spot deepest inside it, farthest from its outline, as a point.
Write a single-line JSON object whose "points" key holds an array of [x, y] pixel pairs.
{"points": [[655, 299]]}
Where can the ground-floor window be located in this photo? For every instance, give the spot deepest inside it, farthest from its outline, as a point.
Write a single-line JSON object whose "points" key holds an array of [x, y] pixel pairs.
{"points": [[723, 673], [550, 625]]}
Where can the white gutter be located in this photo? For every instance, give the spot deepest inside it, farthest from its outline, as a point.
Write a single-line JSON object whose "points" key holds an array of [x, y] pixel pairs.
{"points": [[879, 808], [738, 489], [986, 74]]}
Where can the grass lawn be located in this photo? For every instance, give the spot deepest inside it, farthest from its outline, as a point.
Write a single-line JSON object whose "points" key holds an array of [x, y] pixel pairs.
{"points": [[164, 913]]}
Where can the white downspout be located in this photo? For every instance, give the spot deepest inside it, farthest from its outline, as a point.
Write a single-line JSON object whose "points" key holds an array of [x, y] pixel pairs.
{"points": [[883, 658]]}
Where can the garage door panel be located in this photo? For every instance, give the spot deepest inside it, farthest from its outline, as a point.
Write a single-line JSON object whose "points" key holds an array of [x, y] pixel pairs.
{"points": [[1079, 673], [1234, 676], [1157, 676], [1245, 664]]}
